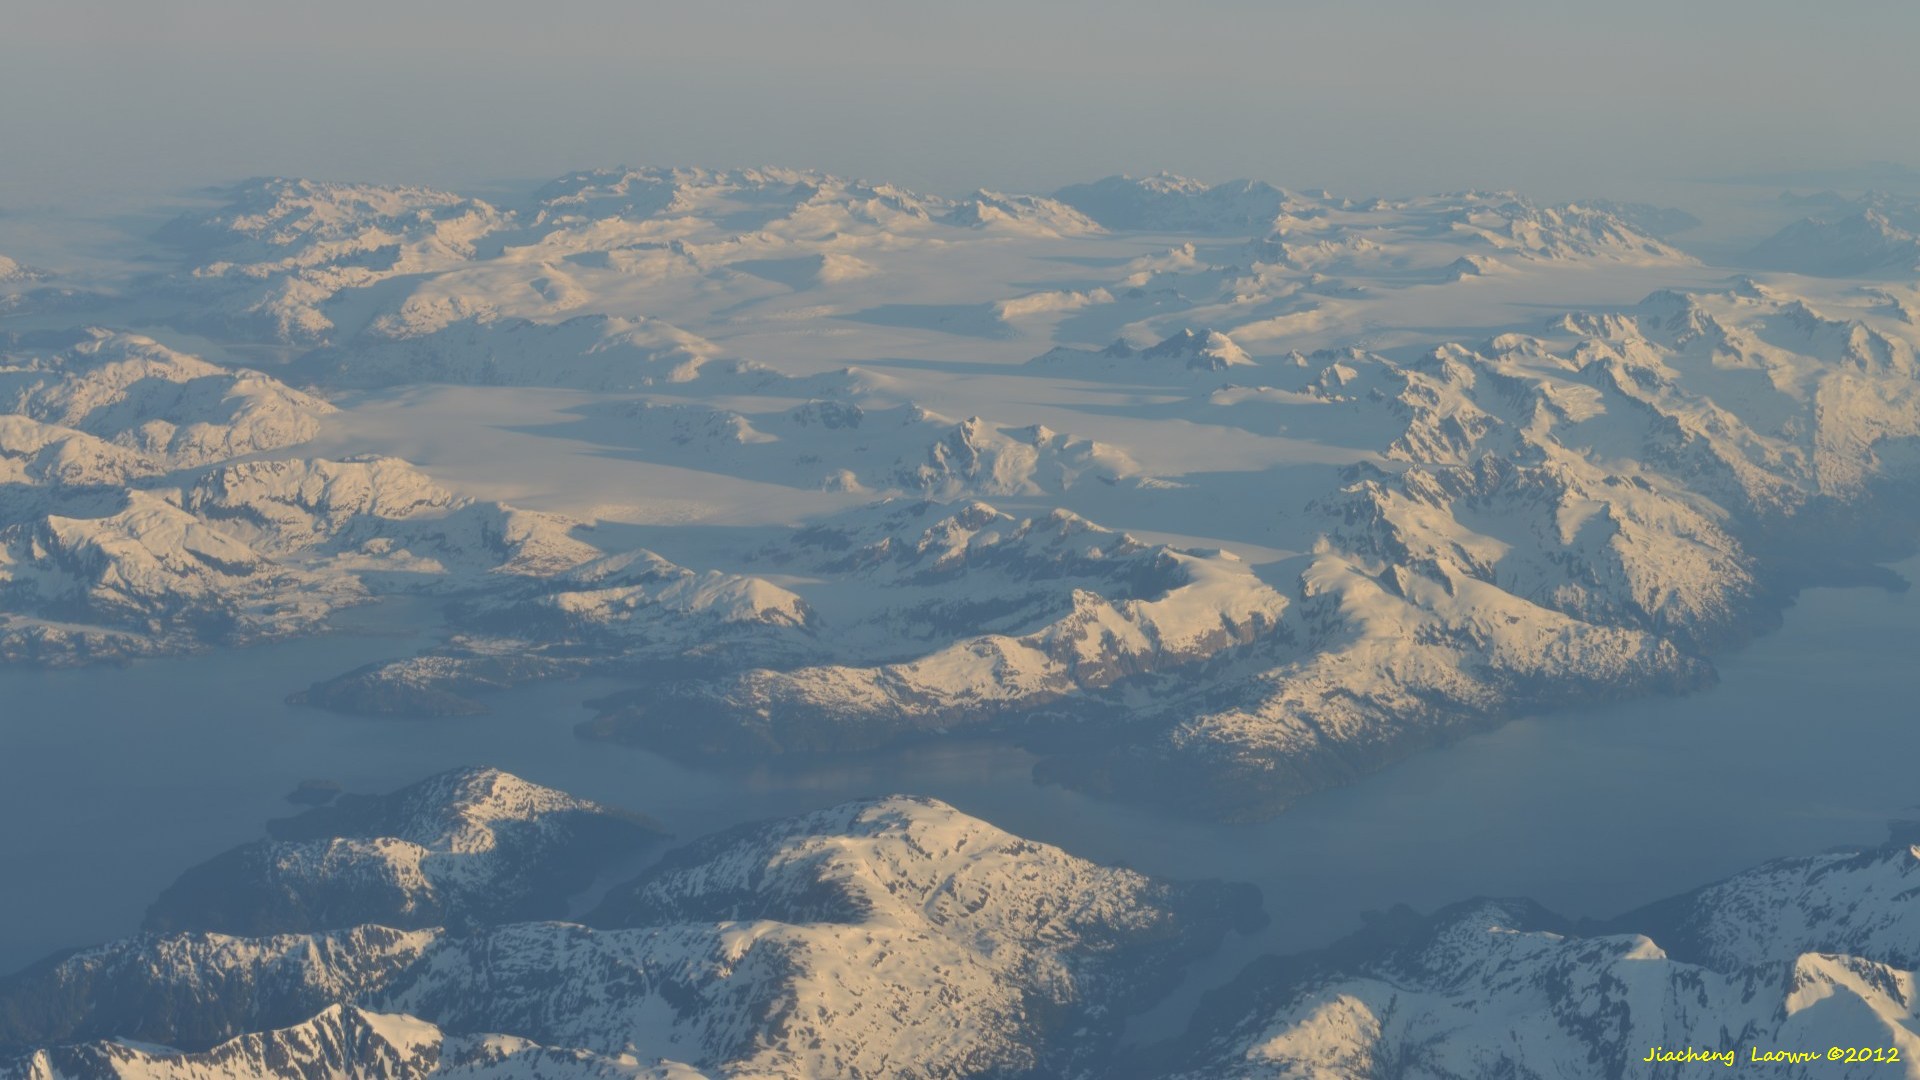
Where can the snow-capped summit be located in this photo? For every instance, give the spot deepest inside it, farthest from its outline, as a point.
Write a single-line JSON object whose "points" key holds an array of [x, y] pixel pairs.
{"points": [[469, 845], [1864, 242], [139, 394], [587, 352], [1116, 612], [32, 453], [745, 198], [1509, 222], [338, 1041], [277, 250], [1800, 955], [1168, 203], [912, 932], [148, 577], [1199, 350], [1843, 902], [1183, 353], [309, 221], [1030, 215], [12, 272]]}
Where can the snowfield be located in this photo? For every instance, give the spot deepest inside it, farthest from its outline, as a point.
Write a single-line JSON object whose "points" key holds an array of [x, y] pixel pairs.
{"points": [[1222, 494]]}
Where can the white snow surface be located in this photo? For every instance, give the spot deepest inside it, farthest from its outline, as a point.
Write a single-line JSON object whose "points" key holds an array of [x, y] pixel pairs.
{"points": [[1431, 460], [1800, 955], [893, 936]]}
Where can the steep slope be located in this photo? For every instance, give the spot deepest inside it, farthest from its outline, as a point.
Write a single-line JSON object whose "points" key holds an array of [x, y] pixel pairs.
{"points": [[887, 937], [374, 513], [1861, 243], [473, 845], [588, 352], [1872, 234], [156, 574], [1157, 611], [1503, 988], [1169, 203], [271, 257], [140, 395], [1184, 355], [839, 445], [100, 559], [632, 612], [13, 272], [343, 1041], [1024, 215], [1857, 903], [33, 453]]}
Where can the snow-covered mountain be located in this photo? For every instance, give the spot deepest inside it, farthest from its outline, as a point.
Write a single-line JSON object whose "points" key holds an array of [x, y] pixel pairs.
{"points": [[840, 446], [1185, 354], [1873, 234], [1398, 468], [1498, 221], [588, 352], [12, 272], [631, 612], [1165, 202], [33, 453], [892, 936], [1026, 215], [1579, 512], [898, 936], [1799, 956], [1854, 902], [149, 577], [138, 394], [1550, 517], [410, 284], [1112, 612], [469, 846], [142, 511], [339, 1041], [277, 250], [378, 513]]}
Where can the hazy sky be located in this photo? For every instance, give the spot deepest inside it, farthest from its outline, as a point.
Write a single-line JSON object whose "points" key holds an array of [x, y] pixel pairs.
{"points": [[1361, 95]]}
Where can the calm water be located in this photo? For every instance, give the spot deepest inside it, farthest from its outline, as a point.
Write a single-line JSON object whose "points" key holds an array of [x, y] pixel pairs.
{"points": [[112, 781]]}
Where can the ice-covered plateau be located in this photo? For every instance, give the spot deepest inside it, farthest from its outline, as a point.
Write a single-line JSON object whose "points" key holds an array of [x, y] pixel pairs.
{"points": [[886, 937], [1220, 494]]}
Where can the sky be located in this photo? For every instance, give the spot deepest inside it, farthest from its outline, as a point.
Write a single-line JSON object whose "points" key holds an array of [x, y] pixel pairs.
{"points": [[1559, 99]]}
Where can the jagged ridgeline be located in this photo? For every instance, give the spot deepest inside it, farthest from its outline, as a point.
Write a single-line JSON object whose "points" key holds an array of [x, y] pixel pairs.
{"points": [[1213, 495], [380, 937], [1799, 956]]}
